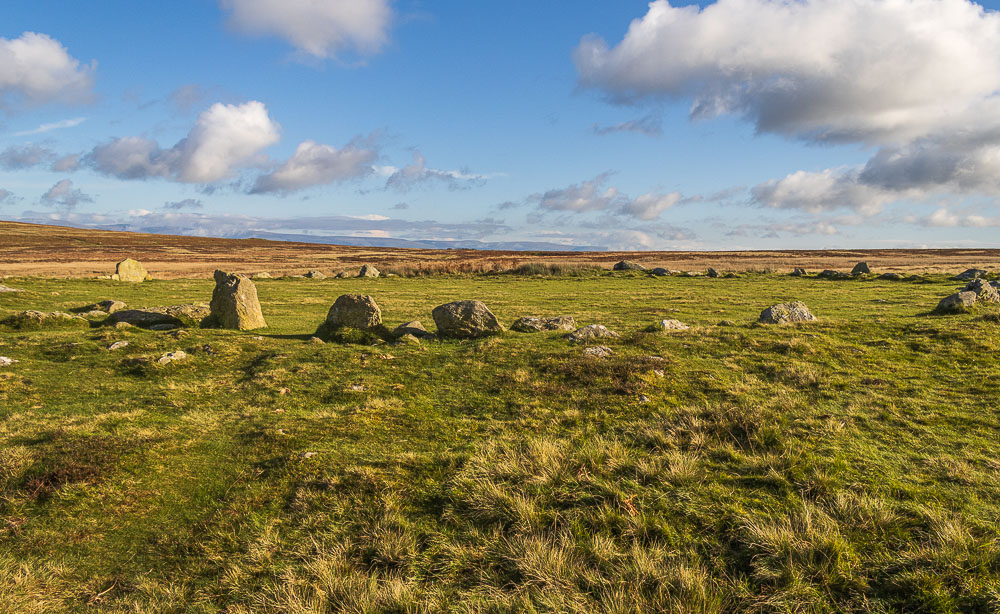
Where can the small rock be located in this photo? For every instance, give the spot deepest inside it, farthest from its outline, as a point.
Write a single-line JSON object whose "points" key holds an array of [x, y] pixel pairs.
{"points": [[598, 351], [658, 373], [668, 325], [785, 313], [407, 339], [314, 274], [831, 274], [368, 271], [628, 265], [316, 341], [342, 275], [305, 455], [414, 328], [357, 388], [712, 272], [4, 288], [799, 272], [532, 324], [6, 362], [726, 323], [592, 331], [108, 306], [172, 356], [117, 345], [660, 272], [643, 398], [861, 268], [261, 275], [970, 274], [959, 302]]}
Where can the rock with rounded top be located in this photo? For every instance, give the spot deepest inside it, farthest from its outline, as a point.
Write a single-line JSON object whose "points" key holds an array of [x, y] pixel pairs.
{"points": [[672, 325], [970, 274], [960, 302], [659, 272], [414, 328], [831, 274], [130, 270], [786, 313], [177, 315], [108, 306], [984, 290], [117, 345], [861, 268], [407, 339], [628, 265], [368, 271], [798, 272], [531, 324], [598, 351], [465, 320], [354, 311], [234, 303], [314, 274], [343, 275], [170, 357], [591, 331]]}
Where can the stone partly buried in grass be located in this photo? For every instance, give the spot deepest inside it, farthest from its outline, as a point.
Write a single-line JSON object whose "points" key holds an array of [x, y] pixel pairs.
{"points": [[234, 303], [628, 265], [356, 312], [591, 331], [598, 351], [130, 270], [465, 320], [786, 313], [174, 315], [672, 325], [960, 302], [531, 324], [31, 319], [414, 329]]}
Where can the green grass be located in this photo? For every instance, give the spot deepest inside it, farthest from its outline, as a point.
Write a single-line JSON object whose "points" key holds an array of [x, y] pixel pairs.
{"points": [[847, 465]]}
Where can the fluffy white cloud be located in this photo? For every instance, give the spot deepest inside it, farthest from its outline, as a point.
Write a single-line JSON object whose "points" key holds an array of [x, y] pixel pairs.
{"points": [[224, 139], [417, 172], [321, 28], [918, 79], [582, 197], [36, 69], [650, 206], [64, 195], [316, 164]]}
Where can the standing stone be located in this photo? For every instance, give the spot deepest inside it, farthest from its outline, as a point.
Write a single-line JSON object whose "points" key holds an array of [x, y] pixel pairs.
{"points": [[234, 303], [959, 302], [861, 268], [354, 311], [712, 272], [465, 319], [628, 265], [785, 313], [368, 271], [799, 272], [130, 270]]}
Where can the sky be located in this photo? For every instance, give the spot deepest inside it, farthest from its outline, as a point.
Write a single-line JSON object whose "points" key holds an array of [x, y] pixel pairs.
{"points": [[670, 125]]}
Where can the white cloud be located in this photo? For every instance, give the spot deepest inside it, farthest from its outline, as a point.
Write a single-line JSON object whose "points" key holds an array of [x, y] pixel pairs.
{"points": [[917, 79], [36, 69], [417, 172], [582, 197], [316, 164], [64, 195], [65, 123], [319, 28], [187, 203], [69, 162], [6, 196], [224, 139], [18, 157], [650, 206]]}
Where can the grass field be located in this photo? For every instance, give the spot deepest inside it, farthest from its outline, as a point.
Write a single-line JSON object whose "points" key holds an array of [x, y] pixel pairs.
{"points": [[846, 465]]}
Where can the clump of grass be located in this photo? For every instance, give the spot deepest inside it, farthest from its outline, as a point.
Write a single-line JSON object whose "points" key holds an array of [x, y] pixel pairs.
{"points": [[554, 269]]}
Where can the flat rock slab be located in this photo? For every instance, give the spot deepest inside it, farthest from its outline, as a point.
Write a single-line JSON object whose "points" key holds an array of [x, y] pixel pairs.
{"points": [[968, 274], [44, 319], [175, 315], [628, 265], [171, 357], [591, 331], [532, 324], [598, 351]]}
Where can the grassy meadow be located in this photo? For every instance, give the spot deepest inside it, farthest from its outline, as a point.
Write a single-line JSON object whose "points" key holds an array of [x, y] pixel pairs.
{"points": [[846, 465]]}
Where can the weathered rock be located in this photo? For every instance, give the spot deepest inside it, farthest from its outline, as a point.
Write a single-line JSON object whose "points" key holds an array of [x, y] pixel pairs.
{"points": [[354, 311], [712, 272], [891, 276], [234, 303], [108, 306], [861, 268], [785, 313], [670, 325], [659, 272], [171, 357], [415, 329], [465, 319], [117, 345], [591, 331], [628, 265], [261, 275], [130, 270], [960, 302], [316, 341], [6, 362], [32, 319], [799, 272], [830, 274], [984, 290], [343, 275], [4, 288], [314, 274], [177, 315], [532, 324], [368, 271], [598, 351], [970, 274]]}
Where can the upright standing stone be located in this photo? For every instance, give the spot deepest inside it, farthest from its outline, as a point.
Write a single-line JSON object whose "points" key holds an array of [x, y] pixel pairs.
{"points": [[234, 303], [368, 271], [130, 270], [861, 268]]}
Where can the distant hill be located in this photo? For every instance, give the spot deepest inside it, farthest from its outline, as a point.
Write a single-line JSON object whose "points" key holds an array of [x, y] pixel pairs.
{"points": [[530, 246]]}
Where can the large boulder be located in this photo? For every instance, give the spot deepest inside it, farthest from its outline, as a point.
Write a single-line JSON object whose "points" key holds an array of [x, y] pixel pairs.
{"points": [[531, 324], [861, 268], [368, 271], [960, 302], [786, 313], [174, 315], [465, 319], [130, 270], [628, 265], [970, 274], [984, 290], [354, 311], [591, 331], [234, 303]]}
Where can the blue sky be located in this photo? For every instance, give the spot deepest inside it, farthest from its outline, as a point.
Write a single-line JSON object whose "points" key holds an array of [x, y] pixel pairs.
{"points": [[736, 124]]}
